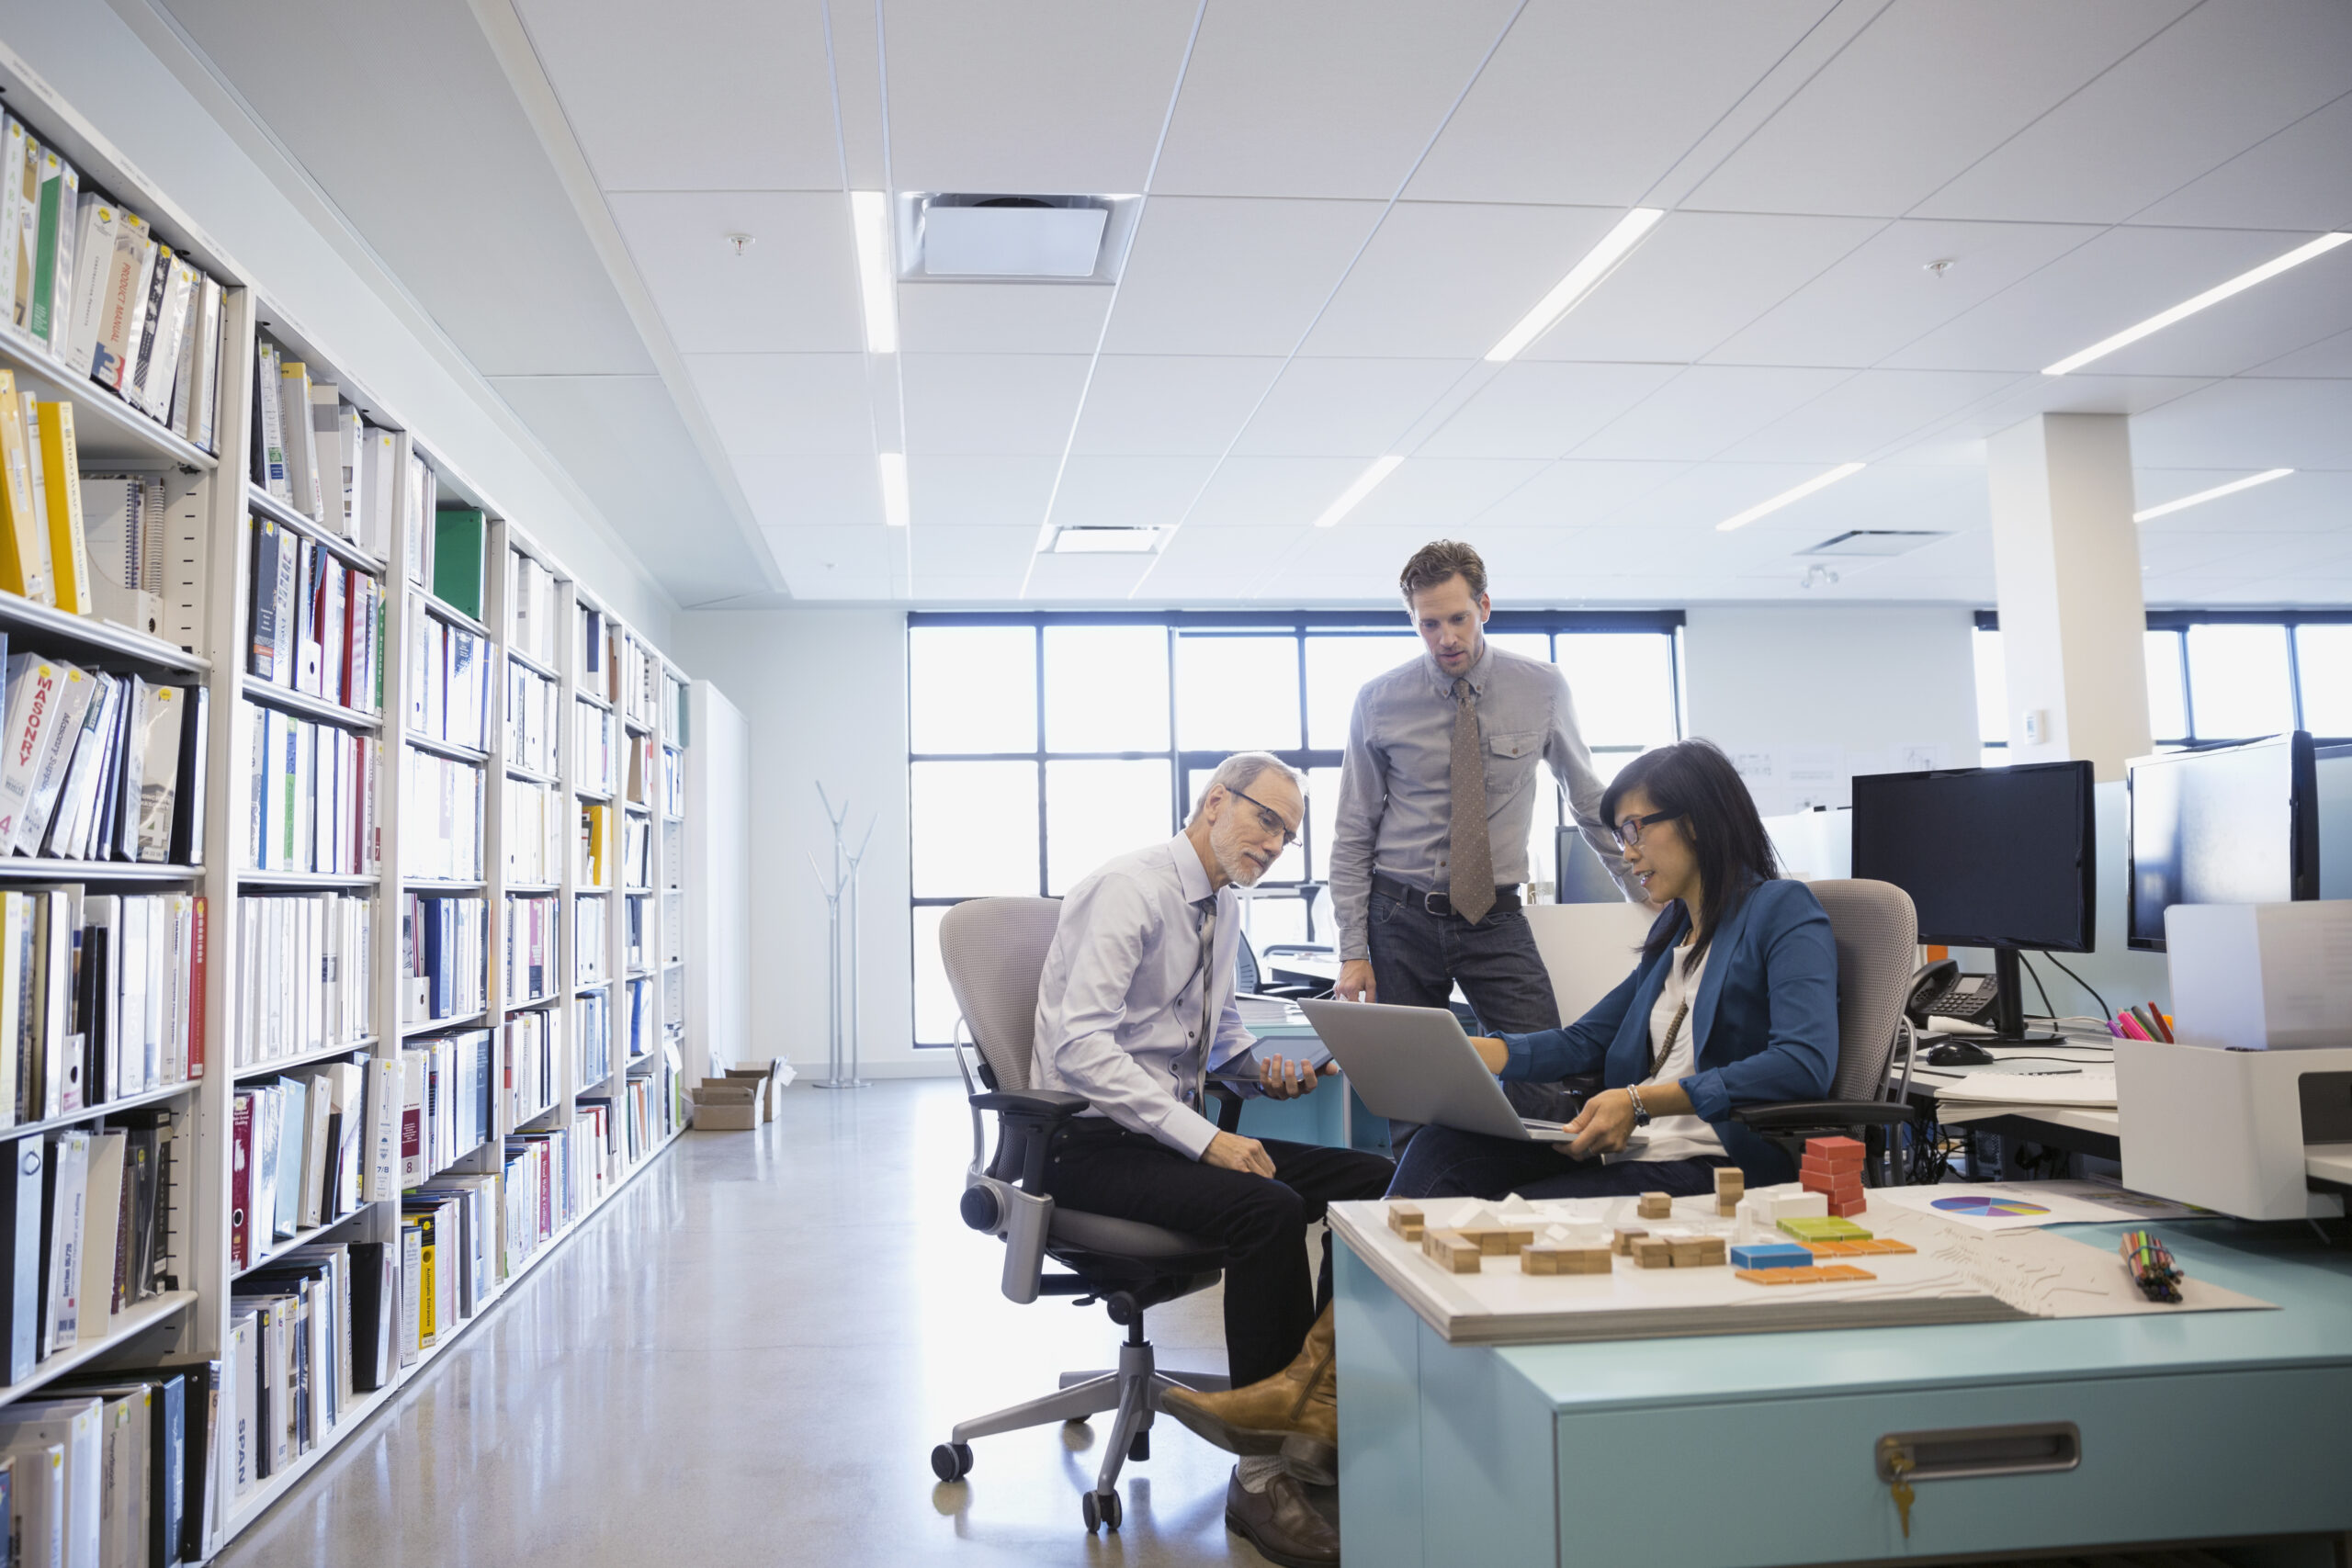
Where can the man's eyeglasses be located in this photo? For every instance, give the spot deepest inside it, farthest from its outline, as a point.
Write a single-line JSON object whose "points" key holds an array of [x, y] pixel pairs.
{"points": [[1267, 818], [1628, 833]]}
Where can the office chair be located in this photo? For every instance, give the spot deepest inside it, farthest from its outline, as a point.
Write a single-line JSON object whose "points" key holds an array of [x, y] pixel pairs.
{"points": [[1247, 978], [1877, 933], [995, 950]]}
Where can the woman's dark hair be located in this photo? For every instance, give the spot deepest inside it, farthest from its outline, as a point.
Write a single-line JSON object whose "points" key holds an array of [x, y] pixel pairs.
{"points": [[1694, 782]]}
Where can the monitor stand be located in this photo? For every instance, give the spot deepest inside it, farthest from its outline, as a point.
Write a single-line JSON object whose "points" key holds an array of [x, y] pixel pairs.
{"points": [[2008, 1008]]}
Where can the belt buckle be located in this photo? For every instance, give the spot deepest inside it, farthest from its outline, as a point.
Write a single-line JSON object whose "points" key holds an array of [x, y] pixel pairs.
{"points": [[1429, 902]]}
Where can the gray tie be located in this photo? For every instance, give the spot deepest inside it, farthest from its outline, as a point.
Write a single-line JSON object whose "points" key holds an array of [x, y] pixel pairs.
{"points": [[1208, 949], [1470, 878]]}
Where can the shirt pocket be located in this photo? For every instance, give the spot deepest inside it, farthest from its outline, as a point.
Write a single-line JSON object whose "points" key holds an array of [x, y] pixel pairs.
{"points": [[1510, 760]]}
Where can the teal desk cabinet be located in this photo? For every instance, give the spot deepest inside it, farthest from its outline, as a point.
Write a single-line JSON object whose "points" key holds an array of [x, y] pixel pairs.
{"points": [[1762, 1449]]}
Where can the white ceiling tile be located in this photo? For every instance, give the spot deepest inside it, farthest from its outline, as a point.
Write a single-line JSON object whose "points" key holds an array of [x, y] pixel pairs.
{"points": [[1272, 492], [815, 492], [992, 591], [2329, 357], [1092, 579], [1214, 275], [2030, 395], [794, 291], [2296, 179], [988, 492], [1050, 97], [1434, 494], [2166, 114], [1929, 88], [1171, 404], [1446, 279], [976, 551], [841, 563], [1320, 97], [1573, 495], [745, 100], [2311, 501], [2250, 424], [774, 404], [992, 403], [1943, 499], [1876, 410], [1704, 410], [1534, 409], [1700, 277], [2283, 315], [1347, 408], [1128, 491], [1002, 318], [1231, 557], [2121, 277], [1882, 296], [1573, 110]]}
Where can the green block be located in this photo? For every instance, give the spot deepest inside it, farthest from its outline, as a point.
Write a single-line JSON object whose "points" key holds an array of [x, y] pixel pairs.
{"points": [[1830, 1229], [459, 538]]}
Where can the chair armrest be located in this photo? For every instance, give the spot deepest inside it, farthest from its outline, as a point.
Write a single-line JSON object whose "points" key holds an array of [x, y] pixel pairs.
{"points": [[1228, 1103], [1046, 1104], [1793, 1114]]}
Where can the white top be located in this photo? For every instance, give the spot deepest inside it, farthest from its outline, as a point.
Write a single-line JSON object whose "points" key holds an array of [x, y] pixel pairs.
{"points": [[1120, 1003], [1675, 1137]]}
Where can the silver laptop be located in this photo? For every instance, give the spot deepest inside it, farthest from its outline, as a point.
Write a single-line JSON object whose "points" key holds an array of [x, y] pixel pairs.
{"points": [[1416, 1065]]}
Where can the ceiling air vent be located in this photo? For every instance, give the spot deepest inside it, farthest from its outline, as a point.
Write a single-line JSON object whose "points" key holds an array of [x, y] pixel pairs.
{"points": [[1091, 540], [950, 237], [1874, 542]]}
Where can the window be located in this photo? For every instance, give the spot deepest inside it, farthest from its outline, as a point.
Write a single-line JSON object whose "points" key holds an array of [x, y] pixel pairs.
{"points": [[1041, 745], [2213, 677]]}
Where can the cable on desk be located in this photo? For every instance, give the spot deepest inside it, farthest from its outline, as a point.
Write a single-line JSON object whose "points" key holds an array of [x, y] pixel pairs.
{"points": [[2048, 1011], [2107, 1012]]}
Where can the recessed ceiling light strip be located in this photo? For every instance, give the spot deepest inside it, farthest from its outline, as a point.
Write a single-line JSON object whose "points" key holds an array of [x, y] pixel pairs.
{"points": [[869, 212], [895, 511], [1818, 481], [1353, 497], [2216, 493], [2186, 308], [1583, 278]]}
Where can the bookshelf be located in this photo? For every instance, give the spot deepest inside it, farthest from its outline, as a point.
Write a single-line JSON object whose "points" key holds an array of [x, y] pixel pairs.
{"points": [[296, 965]]}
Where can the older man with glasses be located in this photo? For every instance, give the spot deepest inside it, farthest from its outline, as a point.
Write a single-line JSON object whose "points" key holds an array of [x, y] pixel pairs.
{"points": [[1134, 1010]]}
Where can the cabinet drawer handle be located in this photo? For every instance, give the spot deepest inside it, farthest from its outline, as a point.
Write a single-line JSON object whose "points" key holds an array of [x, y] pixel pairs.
{"points": [[1958, 1452]]}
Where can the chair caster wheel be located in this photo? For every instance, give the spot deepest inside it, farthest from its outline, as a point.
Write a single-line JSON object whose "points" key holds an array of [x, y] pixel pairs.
{"points": [[1140, 1449], [1099, 1509], [952, 1461]]}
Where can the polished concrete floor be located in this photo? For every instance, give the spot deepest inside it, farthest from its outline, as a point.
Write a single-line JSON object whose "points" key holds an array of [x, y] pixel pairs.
{"points": [[746, 1359]]}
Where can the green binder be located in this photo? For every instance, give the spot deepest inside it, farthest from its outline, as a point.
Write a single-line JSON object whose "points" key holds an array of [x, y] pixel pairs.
{"points": [[459, 537]]}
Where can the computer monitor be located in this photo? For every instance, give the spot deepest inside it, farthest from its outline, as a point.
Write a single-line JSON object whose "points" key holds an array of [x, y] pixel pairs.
{"points": [[2233, 825], [2004, 858]]}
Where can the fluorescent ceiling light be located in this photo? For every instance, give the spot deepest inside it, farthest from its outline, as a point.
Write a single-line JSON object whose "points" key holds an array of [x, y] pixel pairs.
{"points": [[2216, 493], [1351, 497], [869, 216], [2213, 296], [1096, 540], [894, 489], [1818, 481], [1582, 279]]}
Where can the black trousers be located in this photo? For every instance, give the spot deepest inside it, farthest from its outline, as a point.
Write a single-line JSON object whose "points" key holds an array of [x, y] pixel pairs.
{"points": [[1103, 1168]]}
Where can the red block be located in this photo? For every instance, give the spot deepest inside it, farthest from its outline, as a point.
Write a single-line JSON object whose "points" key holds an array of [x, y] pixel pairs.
{"points": [[1829, 1172], [1846, 1208], [1840, 1153], [1836, 1191]]}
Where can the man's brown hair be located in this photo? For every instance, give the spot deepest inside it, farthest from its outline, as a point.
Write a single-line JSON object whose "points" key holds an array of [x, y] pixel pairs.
{"points": [[1440, 559]]}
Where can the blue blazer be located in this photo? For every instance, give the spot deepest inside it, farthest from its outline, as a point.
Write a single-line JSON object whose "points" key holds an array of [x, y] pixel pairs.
{"points": [[1764, 1026]]}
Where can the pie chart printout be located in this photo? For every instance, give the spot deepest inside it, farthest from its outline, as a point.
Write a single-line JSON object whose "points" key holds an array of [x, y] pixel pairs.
{"points": [[1990, 1208]]}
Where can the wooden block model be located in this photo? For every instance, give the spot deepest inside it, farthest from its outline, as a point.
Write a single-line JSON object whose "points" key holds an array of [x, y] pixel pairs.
{"points": [[1497, 1241], [1730, 1185], [1657, 1206], [1827, 1275], [1697, 1251], [1451, 1251], [1654, 1252], [1405, 1220], [1625, 1238], [1825, 1228], [1566, 1260], [1876, 1246], [1770, 1255], [1833, 1167], [1799, 1206]]}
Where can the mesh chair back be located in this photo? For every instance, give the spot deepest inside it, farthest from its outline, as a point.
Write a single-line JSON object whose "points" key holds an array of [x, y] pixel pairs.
{"points": [[994, 950], [1245, 968], [1877, 933]]}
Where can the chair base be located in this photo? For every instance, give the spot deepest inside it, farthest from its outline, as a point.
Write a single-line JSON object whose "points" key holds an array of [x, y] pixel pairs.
{"points": [[1132, 1390]]}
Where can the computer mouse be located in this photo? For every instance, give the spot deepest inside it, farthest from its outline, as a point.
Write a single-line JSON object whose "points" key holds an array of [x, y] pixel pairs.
{"points": [[1959, 1054]]}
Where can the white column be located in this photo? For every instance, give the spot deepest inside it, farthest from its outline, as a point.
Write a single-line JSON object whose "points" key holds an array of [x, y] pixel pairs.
{"points": [[2067, 568]]}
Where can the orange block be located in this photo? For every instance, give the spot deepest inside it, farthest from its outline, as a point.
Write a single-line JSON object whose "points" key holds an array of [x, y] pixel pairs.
{"points": [[1834, 1151], [1819, 1274]]}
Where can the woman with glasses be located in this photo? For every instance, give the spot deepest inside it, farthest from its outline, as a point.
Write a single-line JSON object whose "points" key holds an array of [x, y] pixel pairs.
{"points": [[1733, 1001]]}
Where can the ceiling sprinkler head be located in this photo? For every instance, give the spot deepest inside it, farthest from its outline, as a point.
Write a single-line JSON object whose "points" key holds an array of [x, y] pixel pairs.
{"points": [[1817, 577], [739, 243], [1937, 269]]}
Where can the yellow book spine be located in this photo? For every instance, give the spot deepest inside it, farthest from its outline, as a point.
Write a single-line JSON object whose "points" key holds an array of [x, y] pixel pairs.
{"points": [[69, 546], [24, 552]]}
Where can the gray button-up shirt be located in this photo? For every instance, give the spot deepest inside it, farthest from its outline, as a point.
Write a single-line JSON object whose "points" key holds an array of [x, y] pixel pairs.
{"points": [[1396, 809], [1120, 1003]]}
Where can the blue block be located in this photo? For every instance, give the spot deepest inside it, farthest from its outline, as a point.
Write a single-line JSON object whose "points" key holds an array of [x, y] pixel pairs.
{"points": [[1771, 1255]]}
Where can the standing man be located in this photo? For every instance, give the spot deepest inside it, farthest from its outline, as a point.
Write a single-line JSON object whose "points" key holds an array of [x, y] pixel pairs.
{"points": [[1436, 798], [1134, 1006]]}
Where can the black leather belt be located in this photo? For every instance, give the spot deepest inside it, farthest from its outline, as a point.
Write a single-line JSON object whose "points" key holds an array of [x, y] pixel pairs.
{"points": [[1435, 903]]}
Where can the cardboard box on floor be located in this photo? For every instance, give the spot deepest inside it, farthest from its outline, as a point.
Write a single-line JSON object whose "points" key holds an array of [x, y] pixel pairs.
{"points": [[727, 1105], [763, 1079]]}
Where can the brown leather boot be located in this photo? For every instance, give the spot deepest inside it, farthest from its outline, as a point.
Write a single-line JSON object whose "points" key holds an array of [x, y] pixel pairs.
{"points": [[1295, 1413]]}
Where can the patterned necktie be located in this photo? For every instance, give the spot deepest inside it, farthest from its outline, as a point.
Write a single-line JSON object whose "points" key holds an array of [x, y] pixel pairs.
{"points": [[1471, 882], [1208, 948]]}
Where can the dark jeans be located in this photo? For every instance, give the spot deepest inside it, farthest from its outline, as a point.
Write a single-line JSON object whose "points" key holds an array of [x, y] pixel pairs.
{"points": [[1417, 958], [1443, 1163], [1102, 1168]]}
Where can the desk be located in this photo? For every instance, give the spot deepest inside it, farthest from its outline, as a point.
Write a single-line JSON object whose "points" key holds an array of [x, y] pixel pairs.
{"points": [[2088, 1130], [1758, 1449]]}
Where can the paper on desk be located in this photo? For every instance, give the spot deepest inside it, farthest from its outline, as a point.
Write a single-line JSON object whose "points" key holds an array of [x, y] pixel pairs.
{"points": [[2093, 1085], [2125, 1206], [1994, 1206], [1267, 1010]]}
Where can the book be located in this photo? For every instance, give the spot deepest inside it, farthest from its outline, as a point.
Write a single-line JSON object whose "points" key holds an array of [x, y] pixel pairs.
{"points": [[324, 417], [23, 1178], [59, 729], [300, 454], [122, 296], [12, 198], [101, 1228], [67, 1178], [211, 342], [187, 846], [24, 532], [155, 736], [142, 357], [24, 173], [60, 202], [69, 548], [460, 538]]}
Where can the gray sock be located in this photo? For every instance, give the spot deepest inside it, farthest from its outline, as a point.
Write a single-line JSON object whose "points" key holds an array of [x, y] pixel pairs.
{"points": [[1256, 1470]]}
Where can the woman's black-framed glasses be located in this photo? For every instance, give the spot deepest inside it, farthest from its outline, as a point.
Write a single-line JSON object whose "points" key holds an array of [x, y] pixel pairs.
{"points": [[1628, 833], [1274, 822]]}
